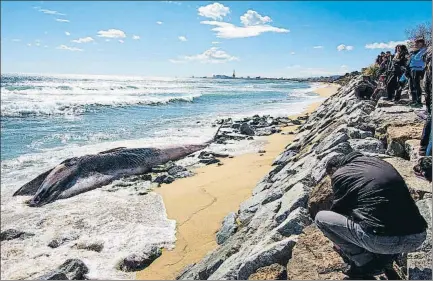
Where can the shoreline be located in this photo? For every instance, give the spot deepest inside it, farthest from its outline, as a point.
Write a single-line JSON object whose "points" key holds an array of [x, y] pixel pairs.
{"points": [[198, 204]]}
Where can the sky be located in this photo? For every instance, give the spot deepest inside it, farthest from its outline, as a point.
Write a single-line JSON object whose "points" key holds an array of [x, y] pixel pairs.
{"points": [[202, 38]]}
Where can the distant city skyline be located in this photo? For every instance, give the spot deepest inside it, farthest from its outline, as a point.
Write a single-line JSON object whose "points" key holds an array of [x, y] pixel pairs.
{"points": [[206, 38]]}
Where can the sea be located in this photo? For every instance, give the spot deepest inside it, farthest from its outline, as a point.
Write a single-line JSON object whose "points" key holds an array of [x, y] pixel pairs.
{"points": [[46, 119]]}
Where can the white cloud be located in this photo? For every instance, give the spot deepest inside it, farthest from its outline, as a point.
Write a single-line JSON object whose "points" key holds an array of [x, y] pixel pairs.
{"points": [[72, 49], [294, 66], [67, 33], [214, 11], [135, 37], [182, 38], [29, 44], [253, 18], [230, 31], [343, 66], [176, 61], [111, 33], [389, 45], [292, 53], [216, 42], [16, 40], [107, 40], [46, 46], [83, 40], [37, 44], [49, 12], [213, 55], [343, 47], [318, 47], [121, 41], [62, 20], [159, 22]]}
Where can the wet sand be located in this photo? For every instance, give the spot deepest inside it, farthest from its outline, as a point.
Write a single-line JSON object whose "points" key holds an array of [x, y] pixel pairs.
{"points": [[199, 203]]}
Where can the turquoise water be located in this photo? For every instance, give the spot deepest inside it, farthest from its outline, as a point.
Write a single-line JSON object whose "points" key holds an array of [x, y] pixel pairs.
{"points": [[47, 112]]}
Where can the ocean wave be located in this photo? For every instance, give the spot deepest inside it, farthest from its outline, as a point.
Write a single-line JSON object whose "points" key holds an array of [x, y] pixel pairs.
{"points": [[73, 106]]}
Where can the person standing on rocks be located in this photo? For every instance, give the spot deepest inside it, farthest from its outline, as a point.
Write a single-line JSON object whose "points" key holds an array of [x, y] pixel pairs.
{"points": [[416, 68], [373, 217]]}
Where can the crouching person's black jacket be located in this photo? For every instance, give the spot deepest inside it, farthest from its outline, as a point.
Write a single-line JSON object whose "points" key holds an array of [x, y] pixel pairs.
{"points": [[372, 193]]}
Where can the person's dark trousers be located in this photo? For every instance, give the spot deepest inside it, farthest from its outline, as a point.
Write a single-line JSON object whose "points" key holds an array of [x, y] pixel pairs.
{"points": [[399, 90], [360, 246], [415, 85], [392, 85], [425, 137]]}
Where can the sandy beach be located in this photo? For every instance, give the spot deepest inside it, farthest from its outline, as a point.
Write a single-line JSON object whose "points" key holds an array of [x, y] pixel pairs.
{"points": [[199, 203]]}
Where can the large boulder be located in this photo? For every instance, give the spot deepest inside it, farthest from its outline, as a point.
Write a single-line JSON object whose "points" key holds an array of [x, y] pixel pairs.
{"points": [[10, 234], [228, 227], [314, 259], [139, 261], [371, 145], [397, 135], [245, 129], [279, 252], [71, 269]]}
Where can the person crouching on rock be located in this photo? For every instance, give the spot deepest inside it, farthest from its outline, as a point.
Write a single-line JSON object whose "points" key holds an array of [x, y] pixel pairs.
{"points": [[373, 218], [365, 89]]}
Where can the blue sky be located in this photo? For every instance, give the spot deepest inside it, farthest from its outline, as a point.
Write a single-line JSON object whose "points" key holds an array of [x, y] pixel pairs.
{"points": [[167, 38]]}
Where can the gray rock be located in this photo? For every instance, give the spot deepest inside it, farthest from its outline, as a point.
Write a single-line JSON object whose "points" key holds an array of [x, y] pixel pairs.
{"points": [[297, 220], [164, 179], [96, 246], [395, 149], [343, 148], [296, 197], [209, 161], [355, 133], [62, 239], [245, 129], [411, 148], [11, 234], [71, 269], [284, 157], [236, 126], [331, 141], [139, 261], [176, 170], [228, 228], [419, 264], [279, 252], [367, 145], [54, 276]]}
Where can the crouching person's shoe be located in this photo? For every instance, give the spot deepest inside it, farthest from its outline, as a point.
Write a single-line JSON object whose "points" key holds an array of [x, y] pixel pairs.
{"points": [[370, 269]]}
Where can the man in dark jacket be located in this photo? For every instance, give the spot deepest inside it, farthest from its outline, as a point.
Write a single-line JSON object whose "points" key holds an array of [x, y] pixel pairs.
{"points": [[373, 217]]}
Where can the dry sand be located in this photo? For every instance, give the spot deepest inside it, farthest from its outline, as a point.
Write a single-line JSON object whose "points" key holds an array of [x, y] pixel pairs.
{"points": [[199, 203]]}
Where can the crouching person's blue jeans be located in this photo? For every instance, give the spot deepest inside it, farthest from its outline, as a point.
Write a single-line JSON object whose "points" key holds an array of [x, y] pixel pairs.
{"points": [[360, 246]]}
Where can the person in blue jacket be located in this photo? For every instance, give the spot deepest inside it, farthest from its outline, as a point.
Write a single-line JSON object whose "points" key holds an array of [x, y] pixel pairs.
{"points": [[416, 71]]}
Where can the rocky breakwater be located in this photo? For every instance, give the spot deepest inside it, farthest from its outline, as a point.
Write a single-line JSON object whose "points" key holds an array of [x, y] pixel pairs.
{"points": [[274, 227]]}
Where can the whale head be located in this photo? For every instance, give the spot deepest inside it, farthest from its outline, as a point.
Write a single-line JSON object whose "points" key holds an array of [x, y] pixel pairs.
{"points": [[58, 180]]}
